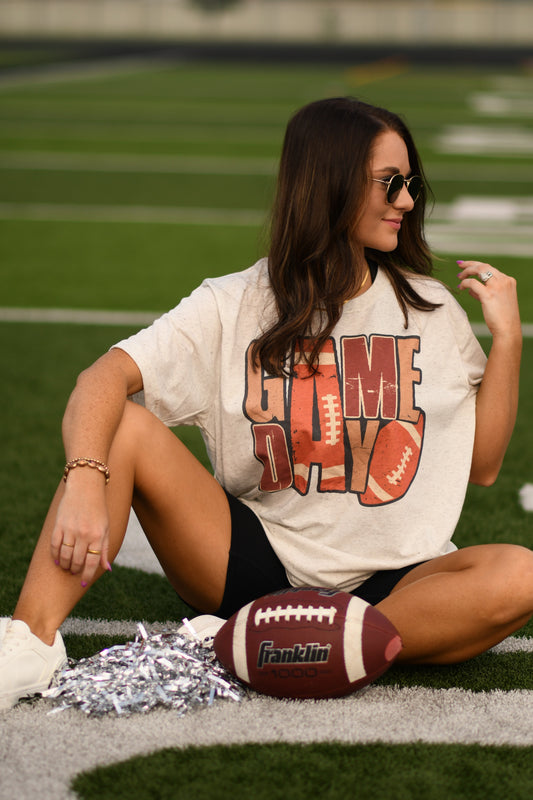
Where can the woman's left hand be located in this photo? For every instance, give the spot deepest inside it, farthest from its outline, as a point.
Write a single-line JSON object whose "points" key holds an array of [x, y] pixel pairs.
{"points": [[497, 397], [497, 294]]}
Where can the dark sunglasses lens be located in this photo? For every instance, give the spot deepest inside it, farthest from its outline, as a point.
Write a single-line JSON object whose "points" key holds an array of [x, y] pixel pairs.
{"points": [[395, 187], [415, 185]]}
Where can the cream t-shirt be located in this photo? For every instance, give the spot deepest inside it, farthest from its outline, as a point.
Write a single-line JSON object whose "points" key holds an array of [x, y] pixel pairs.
{"points": [[362, 467]]}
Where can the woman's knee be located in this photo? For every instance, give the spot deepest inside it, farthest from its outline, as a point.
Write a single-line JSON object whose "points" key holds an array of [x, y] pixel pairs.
{"points": [[510, 583], [136, 428]]}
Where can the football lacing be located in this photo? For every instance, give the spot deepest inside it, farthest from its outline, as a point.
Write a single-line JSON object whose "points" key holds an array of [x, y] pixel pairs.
{"points": [[297, 613]]}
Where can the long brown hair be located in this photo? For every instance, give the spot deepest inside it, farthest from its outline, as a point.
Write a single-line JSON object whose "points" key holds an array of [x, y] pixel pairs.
{"points": [[314, 263]]}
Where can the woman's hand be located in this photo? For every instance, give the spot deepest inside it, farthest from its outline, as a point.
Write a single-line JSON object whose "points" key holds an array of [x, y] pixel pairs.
{"points": [[497, 294], [79, 541], [497, 397], [80, 537]]}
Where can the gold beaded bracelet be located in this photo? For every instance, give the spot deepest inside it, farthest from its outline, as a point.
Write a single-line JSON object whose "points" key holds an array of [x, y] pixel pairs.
{"points": [[87, 462]]}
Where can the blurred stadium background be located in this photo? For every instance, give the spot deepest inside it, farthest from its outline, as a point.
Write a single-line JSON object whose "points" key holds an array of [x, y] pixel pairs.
{"points": [[493, 22]]}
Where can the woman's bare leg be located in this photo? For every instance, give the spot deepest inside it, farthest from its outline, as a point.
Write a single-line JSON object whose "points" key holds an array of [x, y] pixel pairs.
{"points": [[454, 607], [182, 508]]}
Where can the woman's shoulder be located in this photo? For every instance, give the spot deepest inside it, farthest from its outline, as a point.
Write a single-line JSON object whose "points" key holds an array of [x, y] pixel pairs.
{"points": [[448, 312], [254, 278], [429, 287]]}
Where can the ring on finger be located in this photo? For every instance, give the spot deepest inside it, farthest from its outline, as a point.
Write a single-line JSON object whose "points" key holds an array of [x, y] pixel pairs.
{"points": [[93, 552], [485, 276], [65, 544]]}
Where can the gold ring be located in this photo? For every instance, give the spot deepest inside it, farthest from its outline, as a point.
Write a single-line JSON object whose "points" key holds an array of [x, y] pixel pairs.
{"points": [[64, 544], [94, 552]]}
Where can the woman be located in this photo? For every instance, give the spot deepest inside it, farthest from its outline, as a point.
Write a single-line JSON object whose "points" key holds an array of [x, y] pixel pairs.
{"points": [[345, 404]]}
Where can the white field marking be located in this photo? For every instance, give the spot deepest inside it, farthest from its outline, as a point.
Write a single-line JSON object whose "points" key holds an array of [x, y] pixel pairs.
{"points": [[470, 224], [166, 215], [136, 551], [526, 497], [482, 139], [80, 316], [514, 644], [225, 165], [480, 173], [452, 239], [486, 209], [488, 225], [84, 70], [502, 104], [123, 162], [102, 627], [32, 740]]}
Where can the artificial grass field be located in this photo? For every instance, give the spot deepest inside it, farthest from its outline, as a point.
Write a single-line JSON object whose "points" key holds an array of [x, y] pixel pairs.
{"points": [[64, 244]]}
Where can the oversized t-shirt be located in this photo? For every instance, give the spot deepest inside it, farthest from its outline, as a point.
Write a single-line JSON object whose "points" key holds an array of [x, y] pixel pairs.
{"points": [[360, 467]]}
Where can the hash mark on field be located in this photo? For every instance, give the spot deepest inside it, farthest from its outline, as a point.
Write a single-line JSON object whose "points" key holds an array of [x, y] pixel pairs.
{"points": [[526, 497]]}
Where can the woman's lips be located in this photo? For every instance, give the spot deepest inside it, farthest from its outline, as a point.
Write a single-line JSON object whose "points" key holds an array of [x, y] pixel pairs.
{"points": [[396, 224]]}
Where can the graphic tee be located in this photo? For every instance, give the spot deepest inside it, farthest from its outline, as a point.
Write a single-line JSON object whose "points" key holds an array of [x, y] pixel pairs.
{"points": [[358, 468]]}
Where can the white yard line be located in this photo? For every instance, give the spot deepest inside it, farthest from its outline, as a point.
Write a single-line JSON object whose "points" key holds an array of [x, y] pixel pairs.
{"points": [[512, 141], [93, 627], [509, 240], [41, 753], [80, 316], [68, 71], [485, 226], [122, 162], [226, 165], [166, 215]]}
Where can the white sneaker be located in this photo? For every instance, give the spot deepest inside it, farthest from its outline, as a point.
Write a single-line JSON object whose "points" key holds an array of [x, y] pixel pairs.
{"points": [[206, 626], [3, 627], [27, 665]]}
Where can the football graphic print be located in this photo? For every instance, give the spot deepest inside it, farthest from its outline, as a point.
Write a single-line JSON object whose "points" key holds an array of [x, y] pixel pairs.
{"points": [[394, 461], [312, 643]]}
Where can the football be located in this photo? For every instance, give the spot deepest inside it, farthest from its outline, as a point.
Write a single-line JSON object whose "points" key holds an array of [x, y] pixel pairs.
{"points": [[394, 461], [312, 643]]}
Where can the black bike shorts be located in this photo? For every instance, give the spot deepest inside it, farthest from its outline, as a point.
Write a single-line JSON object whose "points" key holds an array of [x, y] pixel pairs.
{"points": [[254, 569]]}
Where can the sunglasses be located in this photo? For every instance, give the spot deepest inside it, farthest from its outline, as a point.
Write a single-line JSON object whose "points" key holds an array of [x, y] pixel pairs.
{"points": [[396, 183]]}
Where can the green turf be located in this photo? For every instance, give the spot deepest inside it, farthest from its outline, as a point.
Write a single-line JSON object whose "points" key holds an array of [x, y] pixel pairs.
{"points": [[117, 266], [156, 189], [329, 771], [501, 672]]}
